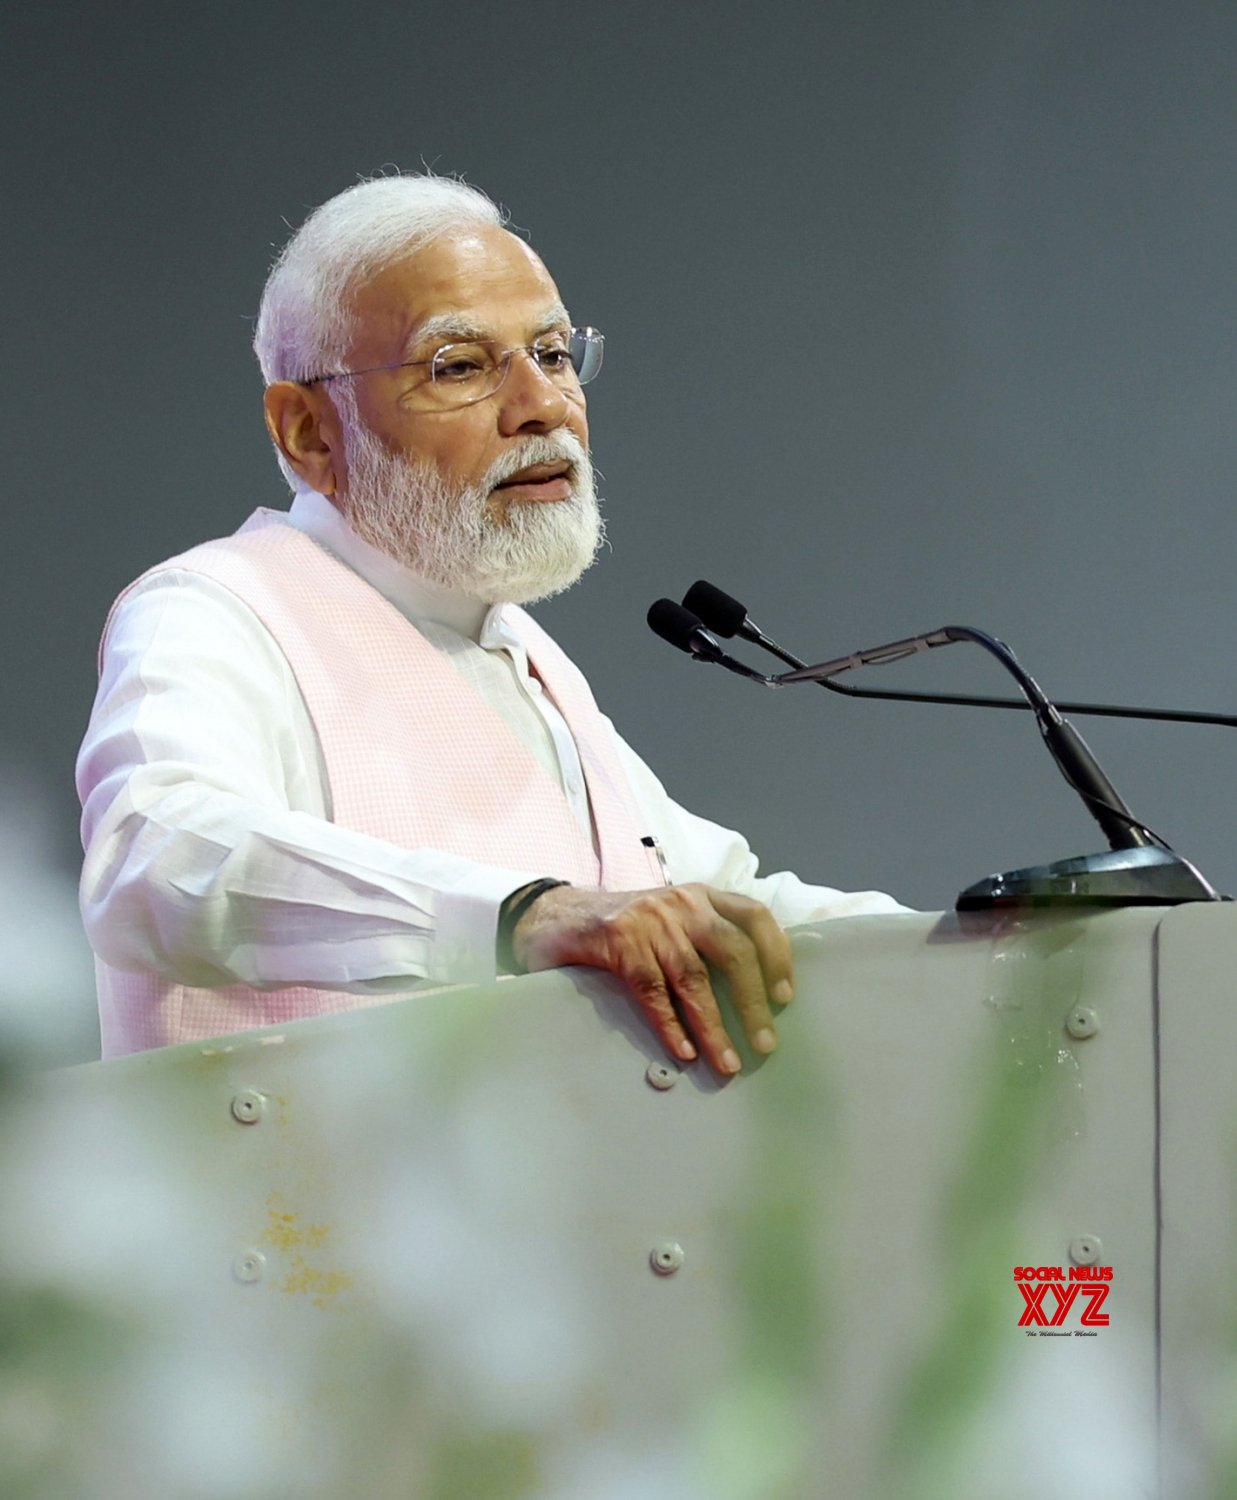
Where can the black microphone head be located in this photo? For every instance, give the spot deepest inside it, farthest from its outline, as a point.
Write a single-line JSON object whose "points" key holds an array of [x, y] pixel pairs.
{"points": [[719, 611], [673, 623]]}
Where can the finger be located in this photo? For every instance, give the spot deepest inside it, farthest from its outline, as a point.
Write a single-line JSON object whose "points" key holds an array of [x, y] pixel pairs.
{"points": [[729, 949], [648, 984], [771, 943], [688, 981]]}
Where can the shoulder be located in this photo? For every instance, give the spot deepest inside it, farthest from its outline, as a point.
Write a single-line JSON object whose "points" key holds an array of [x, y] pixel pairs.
{"points": [[217, 580], [183, 615]]}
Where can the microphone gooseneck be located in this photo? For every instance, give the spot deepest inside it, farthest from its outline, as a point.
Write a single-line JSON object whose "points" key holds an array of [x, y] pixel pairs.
{"points": [[1141, 868], [1068, 749]]}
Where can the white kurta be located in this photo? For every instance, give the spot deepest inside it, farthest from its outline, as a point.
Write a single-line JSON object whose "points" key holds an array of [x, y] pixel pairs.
{"points": [[204, 789]]}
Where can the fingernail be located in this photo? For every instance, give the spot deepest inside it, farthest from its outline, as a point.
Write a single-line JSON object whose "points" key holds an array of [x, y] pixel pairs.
{"points": [[685, 1050], [783, 992], [765, 1039], [730, 1060]]}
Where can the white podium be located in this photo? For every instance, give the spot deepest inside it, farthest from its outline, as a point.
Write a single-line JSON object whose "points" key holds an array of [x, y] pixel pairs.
{"points": [[486, 1244]]}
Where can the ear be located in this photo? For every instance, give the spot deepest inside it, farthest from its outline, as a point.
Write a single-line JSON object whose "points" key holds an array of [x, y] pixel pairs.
{"points": [[304, 426]]}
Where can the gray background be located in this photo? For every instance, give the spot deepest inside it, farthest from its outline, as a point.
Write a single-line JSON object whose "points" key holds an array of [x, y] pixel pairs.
{"points": [[915, 314]]}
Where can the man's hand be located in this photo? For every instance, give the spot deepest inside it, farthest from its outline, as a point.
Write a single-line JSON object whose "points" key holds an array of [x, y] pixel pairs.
{"points": [[660, 942]]}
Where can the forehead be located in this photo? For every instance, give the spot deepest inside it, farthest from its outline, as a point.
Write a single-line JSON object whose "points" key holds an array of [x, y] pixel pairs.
{"points": [[487, 276]]}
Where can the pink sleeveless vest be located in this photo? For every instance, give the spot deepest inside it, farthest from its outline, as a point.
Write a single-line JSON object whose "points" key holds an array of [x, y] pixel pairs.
{"points": [[413, 755]]}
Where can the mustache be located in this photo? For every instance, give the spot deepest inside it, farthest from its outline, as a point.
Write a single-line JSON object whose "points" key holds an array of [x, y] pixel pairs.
{"points": [[540, 448]]}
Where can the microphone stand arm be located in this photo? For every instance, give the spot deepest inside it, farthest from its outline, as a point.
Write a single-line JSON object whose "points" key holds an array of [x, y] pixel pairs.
{"points": [[1139, 869], [976, 700]]}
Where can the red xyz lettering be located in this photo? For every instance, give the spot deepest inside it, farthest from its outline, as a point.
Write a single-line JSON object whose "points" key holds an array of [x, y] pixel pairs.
{"points": [[1065, 1297]]}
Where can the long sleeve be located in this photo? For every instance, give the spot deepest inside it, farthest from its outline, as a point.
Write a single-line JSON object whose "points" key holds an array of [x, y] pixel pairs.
{"points": [[210, 857]]}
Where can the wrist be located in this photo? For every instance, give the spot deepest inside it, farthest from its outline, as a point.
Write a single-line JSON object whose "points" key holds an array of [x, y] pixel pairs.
{"points": [[509, 914]]}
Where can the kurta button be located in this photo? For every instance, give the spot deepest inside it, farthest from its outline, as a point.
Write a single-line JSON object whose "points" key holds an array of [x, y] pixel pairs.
{"points": [[666, 1258], [248, 1107]]}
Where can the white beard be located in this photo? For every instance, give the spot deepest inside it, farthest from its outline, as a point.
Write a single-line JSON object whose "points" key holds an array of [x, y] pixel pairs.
{"points": [[448, 533]]}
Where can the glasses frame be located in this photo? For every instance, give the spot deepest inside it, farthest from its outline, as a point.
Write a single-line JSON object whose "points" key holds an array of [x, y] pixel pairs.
{"points": [[589, 341]]}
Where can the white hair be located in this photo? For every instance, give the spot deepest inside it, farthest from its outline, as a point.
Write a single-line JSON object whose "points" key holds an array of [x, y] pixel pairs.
{"points": [[304, 321]]}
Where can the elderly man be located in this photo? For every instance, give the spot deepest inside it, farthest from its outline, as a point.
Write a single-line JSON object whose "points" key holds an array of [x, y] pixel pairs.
{"points": [[330, 759]]}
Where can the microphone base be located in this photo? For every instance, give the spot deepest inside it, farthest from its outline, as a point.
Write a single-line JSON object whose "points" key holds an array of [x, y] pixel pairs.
{"points": [[1118, 877]]}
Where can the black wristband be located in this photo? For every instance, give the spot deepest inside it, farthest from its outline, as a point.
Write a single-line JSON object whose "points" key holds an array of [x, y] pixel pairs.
{"points": [[509, 913]]}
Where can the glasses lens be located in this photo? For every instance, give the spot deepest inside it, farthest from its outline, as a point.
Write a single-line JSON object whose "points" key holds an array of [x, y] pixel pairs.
{"points": [[554, 358], [587, 346], [462, 373]]}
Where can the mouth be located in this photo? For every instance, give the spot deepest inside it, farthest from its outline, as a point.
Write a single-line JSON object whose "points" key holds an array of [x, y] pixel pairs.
{"points": [[544, 481]]}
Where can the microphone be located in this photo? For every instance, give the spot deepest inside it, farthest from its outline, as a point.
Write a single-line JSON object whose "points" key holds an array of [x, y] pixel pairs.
{"points": [[1141, 869], [723, 614], [678, 625]]}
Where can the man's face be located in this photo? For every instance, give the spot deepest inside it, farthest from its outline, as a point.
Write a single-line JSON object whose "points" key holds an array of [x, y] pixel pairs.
{"points": [[494, 498], [488, 284]]}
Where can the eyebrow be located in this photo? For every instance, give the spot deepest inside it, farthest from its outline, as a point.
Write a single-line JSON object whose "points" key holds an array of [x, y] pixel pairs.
{"points": [[456, 326]]}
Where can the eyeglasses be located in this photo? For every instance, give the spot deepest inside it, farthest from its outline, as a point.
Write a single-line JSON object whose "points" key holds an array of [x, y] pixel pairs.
{"points": [[459, 374]]}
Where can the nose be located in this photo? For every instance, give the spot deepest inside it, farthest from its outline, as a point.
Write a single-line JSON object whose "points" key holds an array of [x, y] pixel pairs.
{"points": [[529, 401]]}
